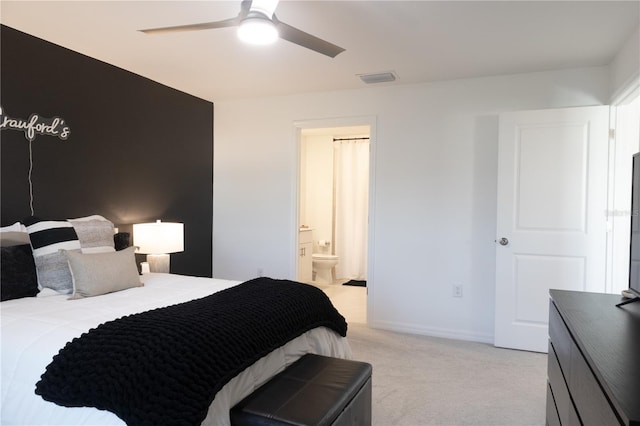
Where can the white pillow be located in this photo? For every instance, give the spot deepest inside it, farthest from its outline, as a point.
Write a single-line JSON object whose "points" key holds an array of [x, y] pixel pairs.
{"points": [[13, 235], [16, 227], [100, 273]]}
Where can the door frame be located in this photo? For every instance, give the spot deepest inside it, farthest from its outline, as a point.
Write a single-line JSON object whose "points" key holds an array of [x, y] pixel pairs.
{"points": [[618, 218], [300, 125]]}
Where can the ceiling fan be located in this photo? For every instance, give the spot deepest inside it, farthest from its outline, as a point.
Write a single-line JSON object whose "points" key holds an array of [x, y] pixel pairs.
{"points": [[259, 15]]}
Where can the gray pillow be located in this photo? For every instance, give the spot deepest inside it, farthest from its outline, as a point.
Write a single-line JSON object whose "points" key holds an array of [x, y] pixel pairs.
{"points": [[94, 274], [95, 234]]}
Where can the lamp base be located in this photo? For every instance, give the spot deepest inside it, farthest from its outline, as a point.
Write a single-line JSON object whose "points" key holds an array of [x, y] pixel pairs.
{"points": [[159, 263]]}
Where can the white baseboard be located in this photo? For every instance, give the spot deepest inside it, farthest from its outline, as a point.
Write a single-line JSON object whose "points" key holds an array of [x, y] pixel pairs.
{"points": [[433, 331]]}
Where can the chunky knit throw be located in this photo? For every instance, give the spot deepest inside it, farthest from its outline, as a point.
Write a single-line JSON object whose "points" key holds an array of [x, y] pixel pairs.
{"points": [[165, 366]]}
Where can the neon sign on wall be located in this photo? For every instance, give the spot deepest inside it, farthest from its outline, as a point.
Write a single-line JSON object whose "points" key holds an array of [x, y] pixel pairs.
{"points": [[35, 125]]}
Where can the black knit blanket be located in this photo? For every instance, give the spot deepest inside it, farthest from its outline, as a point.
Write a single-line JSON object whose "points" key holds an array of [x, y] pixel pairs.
{"points": [[165, 366]]}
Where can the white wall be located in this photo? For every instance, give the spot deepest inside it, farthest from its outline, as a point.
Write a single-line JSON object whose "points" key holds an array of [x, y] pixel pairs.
{"points": [[625, 67], [434, 189], [318, 192]]}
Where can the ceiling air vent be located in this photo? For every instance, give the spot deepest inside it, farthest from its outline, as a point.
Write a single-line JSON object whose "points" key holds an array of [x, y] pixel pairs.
{"points": [[381, 77]]}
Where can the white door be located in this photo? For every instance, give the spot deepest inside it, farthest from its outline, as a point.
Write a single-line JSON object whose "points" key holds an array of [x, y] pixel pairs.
{"points": [[551, 224]]}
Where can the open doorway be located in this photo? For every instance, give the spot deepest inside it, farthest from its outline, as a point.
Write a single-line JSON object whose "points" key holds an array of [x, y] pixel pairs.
{"points": [[333, 213]]}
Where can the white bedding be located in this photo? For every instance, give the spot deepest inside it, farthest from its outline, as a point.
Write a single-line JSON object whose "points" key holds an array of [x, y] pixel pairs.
{"points": [[34, 329]]}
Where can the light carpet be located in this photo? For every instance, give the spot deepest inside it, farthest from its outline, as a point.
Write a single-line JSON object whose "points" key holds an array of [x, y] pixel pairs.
{"points": [[420, 380]]}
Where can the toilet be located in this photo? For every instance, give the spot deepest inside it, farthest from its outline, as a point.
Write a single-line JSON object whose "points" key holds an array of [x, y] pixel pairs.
{"points": [[323, 265]]}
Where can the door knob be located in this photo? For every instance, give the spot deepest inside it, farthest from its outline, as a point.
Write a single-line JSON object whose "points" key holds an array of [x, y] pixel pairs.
{"points": [[503, 241]]}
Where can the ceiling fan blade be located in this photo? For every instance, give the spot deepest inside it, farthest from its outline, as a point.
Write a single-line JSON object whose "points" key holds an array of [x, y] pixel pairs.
{"points": [[299, 37], [232, 22]]}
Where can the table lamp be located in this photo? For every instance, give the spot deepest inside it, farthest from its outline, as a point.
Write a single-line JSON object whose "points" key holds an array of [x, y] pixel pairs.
{"points": [[157, 240]]}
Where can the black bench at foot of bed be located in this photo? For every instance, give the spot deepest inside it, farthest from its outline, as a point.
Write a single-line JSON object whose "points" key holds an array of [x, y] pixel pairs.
{"points": [[315, 390]]}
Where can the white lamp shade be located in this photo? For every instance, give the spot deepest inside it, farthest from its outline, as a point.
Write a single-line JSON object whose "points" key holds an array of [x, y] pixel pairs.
{"points": [[158, 237]]}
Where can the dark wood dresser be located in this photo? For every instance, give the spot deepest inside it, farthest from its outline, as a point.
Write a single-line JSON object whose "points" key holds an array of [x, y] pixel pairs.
{"points": [[594, 360]]}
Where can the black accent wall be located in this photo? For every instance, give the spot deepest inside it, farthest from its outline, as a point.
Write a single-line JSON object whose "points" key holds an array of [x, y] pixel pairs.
{"points": [[138, 150]]}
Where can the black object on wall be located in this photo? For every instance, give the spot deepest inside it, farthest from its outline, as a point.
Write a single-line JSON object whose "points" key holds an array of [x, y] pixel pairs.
{"points": [[138, 150]]}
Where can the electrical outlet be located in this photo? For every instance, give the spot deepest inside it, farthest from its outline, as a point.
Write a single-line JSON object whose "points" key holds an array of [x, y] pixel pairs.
{"points": [[457, 290]]}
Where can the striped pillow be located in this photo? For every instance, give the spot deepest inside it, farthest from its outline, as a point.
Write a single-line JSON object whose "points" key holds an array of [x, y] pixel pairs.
{"points": [[47, 238]]}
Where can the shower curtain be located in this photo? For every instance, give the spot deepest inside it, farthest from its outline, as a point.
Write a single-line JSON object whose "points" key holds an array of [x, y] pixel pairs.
{"points": [[351, 204]]}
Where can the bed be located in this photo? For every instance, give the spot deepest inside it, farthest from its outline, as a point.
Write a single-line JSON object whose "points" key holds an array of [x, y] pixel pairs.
{"points": [[35, 328]]}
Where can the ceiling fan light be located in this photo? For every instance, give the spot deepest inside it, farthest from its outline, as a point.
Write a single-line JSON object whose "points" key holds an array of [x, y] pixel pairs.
{"points": [[257, 30]]}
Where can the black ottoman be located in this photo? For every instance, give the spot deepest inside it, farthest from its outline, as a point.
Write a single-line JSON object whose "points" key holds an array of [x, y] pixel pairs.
{"points": [[315, 390]]}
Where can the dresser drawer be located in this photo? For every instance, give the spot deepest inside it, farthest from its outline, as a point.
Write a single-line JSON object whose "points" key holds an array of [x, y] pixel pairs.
{"points": [[567, 366], [552, 411], [591, 403], [565, 409], [561, 340]]}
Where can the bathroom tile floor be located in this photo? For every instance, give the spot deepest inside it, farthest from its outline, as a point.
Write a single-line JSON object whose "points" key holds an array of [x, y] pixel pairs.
{"points": [[350, 301]]}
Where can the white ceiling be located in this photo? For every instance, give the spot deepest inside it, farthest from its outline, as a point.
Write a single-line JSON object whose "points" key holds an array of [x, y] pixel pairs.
{"points": [[420, 40]]}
